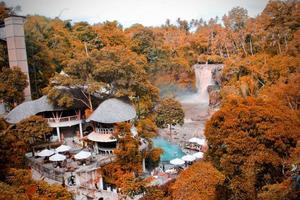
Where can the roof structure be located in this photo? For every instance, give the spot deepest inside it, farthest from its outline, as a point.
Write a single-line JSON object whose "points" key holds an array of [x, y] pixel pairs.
{"points": [[113, 110], [30, 108]]}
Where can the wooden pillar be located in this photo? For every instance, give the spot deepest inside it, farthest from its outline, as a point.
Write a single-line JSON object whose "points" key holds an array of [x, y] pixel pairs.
{"points": [[101, 183], [80, 130], [81, 133], [58, 134], [144, 165]]}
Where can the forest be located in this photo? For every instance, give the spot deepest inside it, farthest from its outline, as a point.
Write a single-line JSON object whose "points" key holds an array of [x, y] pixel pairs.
{"points": [[254, 137]]}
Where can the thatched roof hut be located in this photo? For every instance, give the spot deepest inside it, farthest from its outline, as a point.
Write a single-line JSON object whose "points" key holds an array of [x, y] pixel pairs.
{"points": [[30, 108], [113, 110]]}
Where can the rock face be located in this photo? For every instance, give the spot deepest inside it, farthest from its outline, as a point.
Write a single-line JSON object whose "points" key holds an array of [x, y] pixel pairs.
{"points": [[217, 74], [214, 98], [214, 90]]}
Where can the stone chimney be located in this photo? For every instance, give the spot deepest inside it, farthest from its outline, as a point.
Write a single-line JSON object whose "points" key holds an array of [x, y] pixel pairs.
{"points": [[14, 35]]}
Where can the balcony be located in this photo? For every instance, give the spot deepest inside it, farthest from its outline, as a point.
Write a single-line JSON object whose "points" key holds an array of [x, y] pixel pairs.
{"points": [[102, 135], [64, 121], [104, 130]]}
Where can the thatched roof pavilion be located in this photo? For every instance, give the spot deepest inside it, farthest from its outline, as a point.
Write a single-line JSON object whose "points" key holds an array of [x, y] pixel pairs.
{"points": [[113, 110], [30, 108]]}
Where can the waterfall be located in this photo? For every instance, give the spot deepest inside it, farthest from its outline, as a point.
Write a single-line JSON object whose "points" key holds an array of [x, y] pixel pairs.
{"points": [[203, 75]]}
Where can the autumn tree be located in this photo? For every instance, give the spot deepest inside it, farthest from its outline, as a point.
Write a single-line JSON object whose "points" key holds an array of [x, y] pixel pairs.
{"points": [[110, 72], [16, 140], [188, 185], [250, 142], [169, 113], [126, 170], [19, 185], [147, 128], [12, 83], [48, 44], [251, 74]]}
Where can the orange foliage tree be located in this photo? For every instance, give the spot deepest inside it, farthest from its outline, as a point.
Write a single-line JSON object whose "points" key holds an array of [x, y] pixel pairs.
{"points": [[250, 142], [197, 182], [19, 185]]}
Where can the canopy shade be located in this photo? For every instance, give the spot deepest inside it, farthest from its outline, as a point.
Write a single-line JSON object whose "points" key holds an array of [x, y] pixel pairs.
{"points": [[29, 108], [57, 157], [177, 161], [113, 110], [198, 155], [62, 148], [82, 155], [188, 158], [98, 137], [45, 153], [200, 141]]}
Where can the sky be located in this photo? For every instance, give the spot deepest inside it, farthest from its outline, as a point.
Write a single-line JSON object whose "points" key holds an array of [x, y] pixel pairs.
{"points": [[128, 12]]}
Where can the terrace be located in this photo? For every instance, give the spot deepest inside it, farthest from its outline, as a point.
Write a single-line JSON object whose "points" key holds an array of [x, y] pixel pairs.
{"points": [[64, 121]]}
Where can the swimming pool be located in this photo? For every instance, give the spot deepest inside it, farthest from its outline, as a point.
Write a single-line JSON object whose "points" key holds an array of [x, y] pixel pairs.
{"points": [[171, 151]]}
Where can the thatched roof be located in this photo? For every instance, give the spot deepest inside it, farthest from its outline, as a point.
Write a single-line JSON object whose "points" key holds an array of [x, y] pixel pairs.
{"points": [[113, 110], [30, 108]]}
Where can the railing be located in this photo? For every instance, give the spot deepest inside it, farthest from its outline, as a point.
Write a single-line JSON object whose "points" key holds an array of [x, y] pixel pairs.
{"points": [[63, 119], [105, 161], [48, 172], [104, 130]]}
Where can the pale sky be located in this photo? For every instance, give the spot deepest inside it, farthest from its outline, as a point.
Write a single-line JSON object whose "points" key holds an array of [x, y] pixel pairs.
{"points": [[128, 12]]}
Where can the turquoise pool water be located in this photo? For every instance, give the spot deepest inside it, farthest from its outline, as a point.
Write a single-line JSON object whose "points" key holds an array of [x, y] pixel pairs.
{"points": [[171, 151]]}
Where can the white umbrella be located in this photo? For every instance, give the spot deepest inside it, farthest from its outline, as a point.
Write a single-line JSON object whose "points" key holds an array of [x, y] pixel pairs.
{"points": [[62, 148], [188, 158], [198, 155], [200, 141], [177, 161], [194, 140], [82, 155], [45, 153], [57, 157]]}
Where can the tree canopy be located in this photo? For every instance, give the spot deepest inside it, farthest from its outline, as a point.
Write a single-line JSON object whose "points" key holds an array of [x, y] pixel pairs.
{"points": [[12, 83], [250, 142], [169, 112]]}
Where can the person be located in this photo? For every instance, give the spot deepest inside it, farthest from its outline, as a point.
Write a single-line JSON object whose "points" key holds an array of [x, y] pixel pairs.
{"points": [[163, 167]]}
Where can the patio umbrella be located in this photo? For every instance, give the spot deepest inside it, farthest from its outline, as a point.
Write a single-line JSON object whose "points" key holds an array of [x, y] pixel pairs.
{"points": [[62, 148], [45, 153], [177, 161], [57, 157], [198, 155], [194, 140], [188, 158], [82, 155], [200, 141]]}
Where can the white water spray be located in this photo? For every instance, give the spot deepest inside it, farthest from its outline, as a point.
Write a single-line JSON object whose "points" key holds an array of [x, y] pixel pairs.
{"points": [[203, 74], [203, 80]]}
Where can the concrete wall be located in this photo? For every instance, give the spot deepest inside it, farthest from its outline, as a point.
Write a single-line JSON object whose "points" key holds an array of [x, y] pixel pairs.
{"points": [[15, 38]]}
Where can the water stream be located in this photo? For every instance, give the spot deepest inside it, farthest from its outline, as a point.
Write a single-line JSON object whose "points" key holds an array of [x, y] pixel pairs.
{"points": [[196, 108]]}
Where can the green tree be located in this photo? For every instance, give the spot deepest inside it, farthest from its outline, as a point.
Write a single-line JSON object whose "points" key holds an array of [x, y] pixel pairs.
{"points": [[169, 112]]}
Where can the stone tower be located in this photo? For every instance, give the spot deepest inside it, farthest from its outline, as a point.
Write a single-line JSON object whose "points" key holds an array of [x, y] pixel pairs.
{"points": [[13, 34]]}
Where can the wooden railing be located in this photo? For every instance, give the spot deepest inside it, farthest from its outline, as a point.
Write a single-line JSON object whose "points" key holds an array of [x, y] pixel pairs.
{"points": [[104, 130], [63, 119]]}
